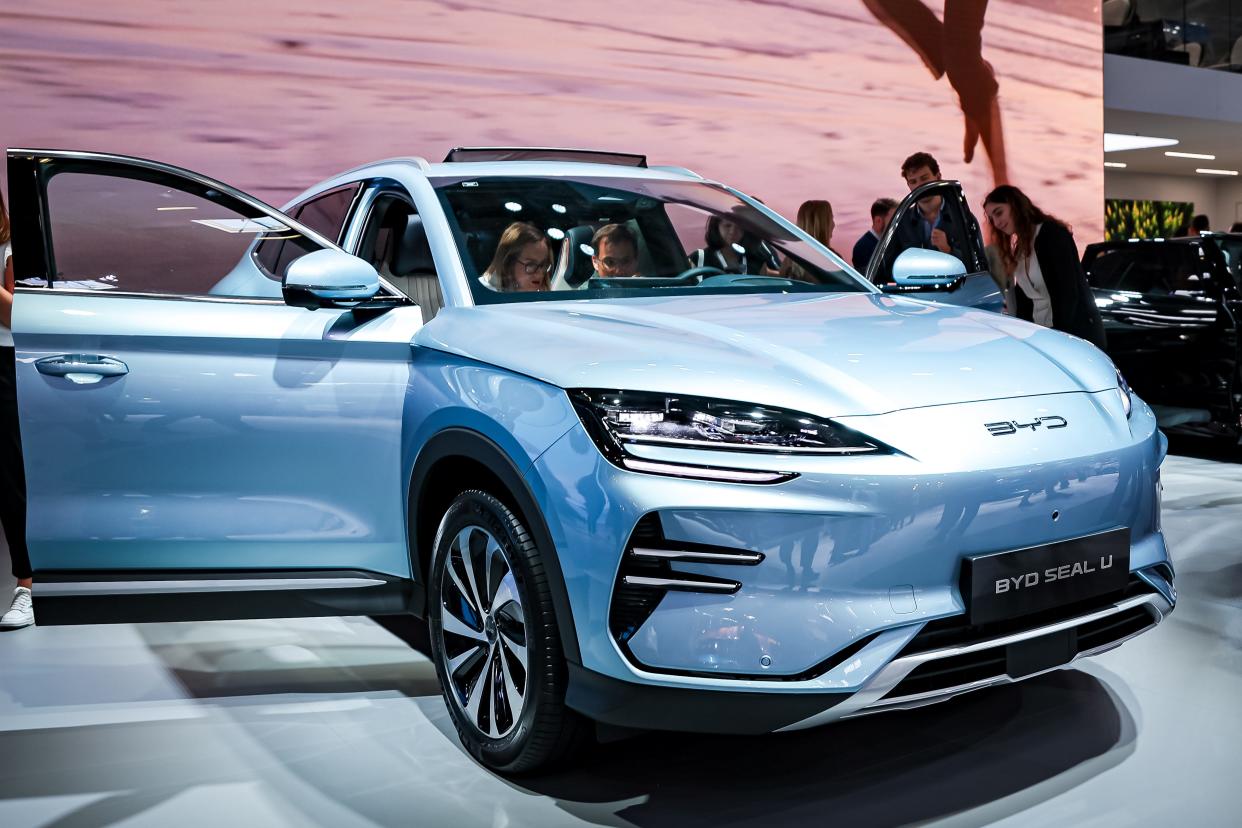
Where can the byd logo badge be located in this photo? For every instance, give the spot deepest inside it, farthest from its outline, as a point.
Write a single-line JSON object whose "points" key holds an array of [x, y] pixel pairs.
{"points": [[1011, 426]]}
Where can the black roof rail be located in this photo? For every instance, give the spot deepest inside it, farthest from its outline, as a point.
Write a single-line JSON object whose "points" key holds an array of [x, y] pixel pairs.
{"points": [[624, 159]]}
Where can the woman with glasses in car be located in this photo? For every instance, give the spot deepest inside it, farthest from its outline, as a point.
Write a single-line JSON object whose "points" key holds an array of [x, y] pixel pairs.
{"points": [[523, 260]]}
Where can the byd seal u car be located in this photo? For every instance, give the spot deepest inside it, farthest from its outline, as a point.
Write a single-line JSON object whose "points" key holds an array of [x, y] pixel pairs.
{"points": [[744, 496]]}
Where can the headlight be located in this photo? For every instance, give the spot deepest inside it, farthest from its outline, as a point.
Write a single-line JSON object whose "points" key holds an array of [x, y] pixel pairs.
{"points": [[1124, 388], [621, 419]]}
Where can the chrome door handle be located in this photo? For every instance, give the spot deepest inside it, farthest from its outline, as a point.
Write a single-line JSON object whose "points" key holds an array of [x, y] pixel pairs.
{"points": [[82, 369]]}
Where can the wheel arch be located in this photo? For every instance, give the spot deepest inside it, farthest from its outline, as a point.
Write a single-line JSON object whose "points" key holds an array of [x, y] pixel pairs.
{"points": [[457, 459]]}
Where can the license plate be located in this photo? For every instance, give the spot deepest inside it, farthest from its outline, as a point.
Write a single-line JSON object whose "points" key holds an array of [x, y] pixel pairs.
{"points": [[1010, 584]]}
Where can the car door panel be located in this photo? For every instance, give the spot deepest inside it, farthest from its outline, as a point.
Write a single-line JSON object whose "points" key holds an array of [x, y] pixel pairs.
{"points": [[215, 449], [243, 438]]}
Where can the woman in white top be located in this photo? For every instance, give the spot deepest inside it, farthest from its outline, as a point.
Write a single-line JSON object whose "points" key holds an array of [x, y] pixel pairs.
{"points": [[1038, 249], [12, 476]]}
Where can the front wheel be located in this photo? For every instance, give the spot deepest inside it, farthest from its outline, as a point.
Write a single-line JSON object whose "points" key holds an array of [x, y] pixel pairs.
{"points": [[495, 641]]}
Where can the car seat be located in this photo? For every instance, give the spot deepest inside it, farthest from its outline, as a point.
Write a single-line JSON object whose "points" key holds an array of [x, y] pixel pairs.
{"points": [[414, 269], [573, 265]]}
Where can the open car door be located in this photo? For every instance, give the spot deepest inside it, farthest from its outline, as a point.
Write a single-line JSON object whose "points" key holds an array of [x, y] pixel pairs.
{"points": [[907, 262], [195, 446]]}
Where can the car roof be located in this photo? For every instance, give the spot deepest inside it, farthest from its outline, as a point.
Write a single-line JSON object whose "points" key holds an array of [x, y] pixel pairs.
{"points": [[486, 169]]}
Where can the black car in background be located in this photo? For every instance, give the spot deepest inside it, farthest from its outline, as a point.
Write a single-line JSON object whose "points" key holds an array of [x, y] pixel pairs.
{"points": [[1171, 309]]}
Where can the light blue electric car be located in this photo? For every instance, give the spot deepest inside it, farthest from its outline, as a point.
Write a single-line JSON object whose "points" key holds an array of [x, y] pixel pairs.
{"points": [[739, 491]]}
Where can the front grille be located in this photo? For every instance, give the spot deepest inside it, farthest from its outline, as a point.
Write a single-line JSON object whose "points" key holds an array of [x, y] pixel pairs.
{"points": [[990, 663], [956, 630]]}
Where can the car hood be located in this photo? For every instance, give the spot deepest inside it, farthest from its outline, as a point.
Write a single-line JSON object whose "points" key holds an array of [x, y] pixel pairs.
{"points": [[827, 354]]}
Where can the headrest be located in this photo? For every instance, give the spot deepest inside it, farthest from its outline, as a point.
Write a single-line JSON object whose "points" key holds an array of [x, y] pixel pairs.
{"points": [[413, 254], [481, 245], [573, 266]]}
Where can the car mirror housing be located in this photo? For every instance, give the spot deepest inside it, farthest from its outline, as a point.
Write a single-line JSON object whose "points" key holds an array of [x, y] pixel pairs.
{"points": [[916, 267], [329, 279]]}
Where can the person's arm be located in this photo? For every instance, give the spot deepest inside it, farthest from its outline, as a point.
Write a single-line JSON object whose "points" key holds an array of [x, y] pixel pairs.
{"points": [[1058, 261], [6, 295]]}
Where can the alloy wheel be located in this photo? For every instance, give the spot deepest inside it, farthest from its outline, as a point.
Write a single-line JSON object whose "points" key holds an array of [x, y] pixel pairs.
{"points": [[483, 642]]}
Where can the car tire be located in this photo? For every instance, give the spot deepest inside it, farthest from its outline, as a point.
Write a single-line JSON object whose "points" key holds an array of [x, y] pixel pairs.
{"points": [[495, 641]]}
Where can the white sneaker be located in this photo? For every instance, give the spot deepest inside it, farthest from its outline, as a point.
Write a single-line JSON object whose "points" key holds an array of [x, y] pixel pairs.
{"points": [[21, 613]]}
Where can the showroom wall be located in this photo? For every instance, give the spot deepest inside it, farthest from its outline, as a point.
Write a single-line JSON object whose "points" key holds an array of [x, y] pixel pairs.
{"points": [[1150, 187], [787, 99], [1221, 199], [1228, 204]]}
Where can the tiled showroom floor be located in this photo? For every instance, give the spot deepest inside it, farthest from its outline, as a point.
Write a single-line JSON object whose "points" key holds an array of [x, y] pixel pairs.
{"points": [[337, 722]]}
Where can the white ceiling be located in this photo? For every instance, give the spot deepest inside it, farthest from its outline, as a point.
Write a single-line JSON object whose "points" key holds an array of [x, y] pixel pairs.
{"points": [[1217, 138]]}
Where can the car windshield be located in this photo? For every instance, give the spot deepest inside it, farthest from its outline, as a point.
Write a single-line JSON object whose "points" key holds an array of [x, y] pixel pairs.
{"points": [[565, 237]]}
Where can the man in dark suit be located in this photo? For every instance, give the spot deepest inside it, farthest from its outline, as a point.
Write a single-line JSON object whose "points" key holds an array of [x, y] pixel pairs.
{"points": [[881, 213], [925, 227], [930, 226]]}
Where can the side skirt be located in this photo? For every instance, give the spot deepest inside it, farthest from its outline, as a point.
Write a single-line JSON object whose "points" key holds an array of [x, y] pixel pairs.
{"points": [[80, 597]]}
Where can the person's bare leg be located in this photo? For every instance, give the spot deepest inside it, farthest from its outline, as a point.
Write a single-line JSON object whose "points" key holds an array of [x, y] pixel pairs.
{"points": [[28, 583], [970, 139], [917, 25], [975, 82], [993, 134]]}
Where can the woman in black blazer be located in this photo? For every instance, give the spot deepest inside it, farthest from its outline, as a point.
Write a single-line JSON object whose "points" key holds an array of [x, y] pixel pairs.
{"points": [[1051, 288]]}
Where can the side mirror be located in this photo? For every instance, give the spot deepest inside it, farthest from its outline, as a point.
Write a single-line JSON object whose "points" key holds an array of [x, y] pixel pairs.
{"points": [[329, 279], [916, 267]]}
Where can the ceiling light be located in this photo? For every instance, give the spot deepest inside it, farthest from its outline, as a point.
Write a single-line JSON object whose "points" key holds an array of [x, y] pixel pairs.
{"points": [[1118, 142], [1198, 155], [1206, 171], [513, 206], [1118, 164]]}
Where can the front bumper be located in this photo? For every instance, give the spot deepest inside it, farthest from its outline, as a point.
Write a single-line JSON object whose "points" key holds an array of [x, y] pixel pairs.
{"points": [[861, 557], [925, 672]]}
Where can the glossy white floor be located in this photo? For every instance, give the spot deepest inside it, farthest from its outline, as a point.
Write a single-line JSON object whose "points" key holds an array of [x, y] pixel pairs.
{"points": [[337, 722]]}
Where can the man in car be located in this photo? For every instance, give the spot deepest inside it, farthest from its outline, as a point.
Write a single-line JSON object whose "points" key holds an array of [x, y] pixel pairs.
{"points": [[616, 252]]}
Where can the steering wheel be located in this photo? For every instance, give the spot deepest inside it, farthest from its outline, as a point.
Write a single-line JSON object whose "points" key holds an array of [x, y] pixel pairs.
{"points": [[687, 278], [698, 275], [742, 279]]}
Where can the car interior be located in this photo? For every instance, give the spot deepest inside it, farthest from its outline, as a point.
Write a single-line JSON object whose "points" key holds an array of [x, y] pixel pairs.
{"points": [[394, 241]]}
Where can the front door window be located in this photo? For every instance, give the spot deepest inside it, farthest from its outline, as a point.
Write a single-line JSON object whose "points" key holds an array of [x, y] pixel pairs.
{"points": [[139, 235]]}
